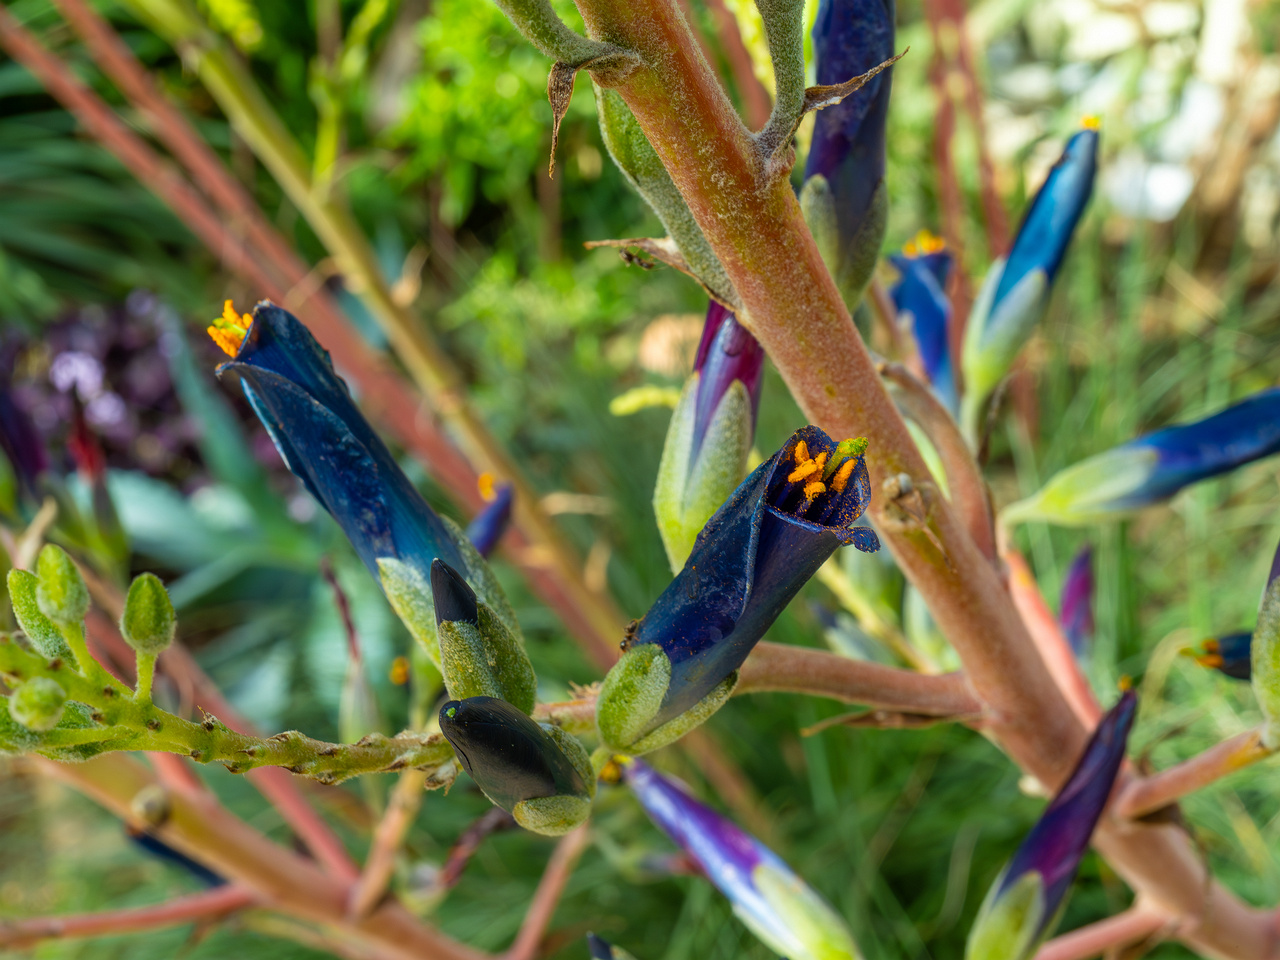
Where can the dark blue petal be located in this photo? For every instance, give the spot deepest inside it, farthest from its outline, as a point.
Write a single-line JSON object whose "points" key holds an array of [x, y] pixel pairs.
{"points": [[849, 38], [1057, 843], [488, 526], [1046, 230], [1232, 655], [920, 293], [508, 755], [1196, 451], [162, 851], [331, 448], [748, 562]]}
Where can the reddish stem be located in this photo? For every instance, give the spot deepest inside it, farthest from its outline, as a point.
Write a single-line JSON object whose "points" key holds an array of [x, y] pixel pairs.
{"points": [[545, 898], [1144, 795], [1104, 936], [206, 906], [756, 102]]}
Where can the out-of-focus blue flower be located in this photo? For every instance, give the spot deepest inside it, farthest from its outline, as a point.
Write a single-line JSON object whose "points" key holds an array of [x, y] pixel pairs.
{"points": [[775, 904], [162, 851], [705, 454], [1027, 898], [602, 949], [753, 556], [1154, 467], [1016, 291], [1230, 654], [920, 294], [844, 174], [538, 773], [488, 526], [1076, 615]]}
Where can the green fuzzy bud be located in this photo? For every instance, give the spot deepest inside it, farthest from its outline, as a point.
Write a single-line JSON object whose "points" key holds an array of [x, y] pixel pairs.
{"points": [[38, 704], [859, 258], [409, 594], [818, 206], [642, 167], [555, 816], [1008, 926], [632, 694], [60, 593], [485, 659], [148, 622], [687, 494], [39, 629], [805, 917], [1087, 492], [1265, 668]]}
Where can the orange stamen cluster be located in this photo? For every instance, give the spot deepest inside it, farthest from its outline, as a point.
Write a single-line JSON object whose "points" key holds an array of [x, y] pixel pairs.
{"points": [[841, 479], [229, 330], [1091, 122], [487, 486], [807, 467], [1211, 657], [924, 243]]}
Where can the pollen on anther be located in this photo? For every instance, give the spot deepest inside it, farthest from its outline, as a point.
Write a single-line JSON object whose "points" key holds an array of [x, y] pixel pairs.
{"points": [[229, 330], [802, 452], [813, 488], [806, 469], [841, 479]]}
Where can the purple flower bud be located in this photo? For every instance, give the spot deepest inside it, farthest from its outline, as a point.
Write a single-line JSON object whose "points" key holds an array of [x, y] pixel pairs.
{"points": [[727, 352], [488, 526], [766, 894], [848, 148], [1057, 843], [21, 443], [1076, 615]]}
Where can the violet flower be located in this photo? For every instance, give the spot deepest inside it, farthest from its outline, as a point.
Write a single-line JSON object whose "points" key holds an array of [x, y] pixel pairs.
{"points": [[705, 454], [487, 527], [844, 197], [752, 557], [1027, 898], [774, 903], [1154, 467], [1076, 615]]}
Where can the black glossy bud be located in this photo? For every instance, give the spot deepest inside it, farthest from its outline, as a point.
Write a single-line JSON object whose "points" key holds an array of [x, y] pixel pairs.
{"points": [[455, 600]]}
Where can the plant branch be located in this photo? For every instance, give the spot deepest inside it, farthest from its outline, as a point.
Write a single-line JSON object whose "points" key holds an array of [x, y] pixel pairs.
{"points": [[781, 667], [1145, 795], [1101, 938], [205, 831], [379, 864], [755, 98], [208, 905], [1048, 637], [547, 896], [964, 478]]}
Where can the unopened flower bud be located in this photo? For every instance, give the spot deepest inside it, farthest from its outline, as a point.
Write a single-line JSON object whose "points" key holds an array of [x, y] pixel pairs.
{"points": [[39, 629], [60, 591], [538, 773], [148, 622], [38, 704]]}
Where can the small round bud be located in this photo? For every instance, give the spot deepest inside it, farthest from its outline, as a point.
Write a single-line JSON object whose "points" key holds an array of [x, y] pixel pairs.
{"points": [[151, 806], [61, 593], [148, 621], [37, 704]]}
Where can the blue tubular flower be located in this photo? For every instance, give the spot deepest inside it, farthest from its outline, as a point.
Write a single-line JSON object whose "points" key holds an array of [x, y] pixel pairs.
{"points": [[752, 557], [488, 526], [1230, 655], [775, 904], [1016, 291], [1154, 467], [705, 453], [1076, 615], [602, 949], [538, 773], [327, 443], [844, 196], [924, 266], [1027, 898]]}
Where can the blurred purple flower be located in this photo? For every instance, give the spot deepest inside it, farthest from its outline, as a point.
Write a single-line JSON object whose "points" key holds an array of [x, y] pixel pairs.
{"points": [[1076, 615]]}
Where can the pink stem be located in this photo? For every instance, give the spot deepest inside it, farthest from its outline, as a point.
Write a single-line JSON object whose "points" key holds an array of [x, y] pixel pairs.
{"points": [[209, 905], [1099, 938], [545, 898], [1144, 795]]}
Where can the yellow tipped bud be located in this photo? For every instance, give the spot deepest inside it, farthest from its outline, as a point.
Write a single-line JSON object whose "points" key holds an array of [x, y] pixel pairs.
{"points": [[399, 672], [923, 243], [487, 486], [1091, 122]]}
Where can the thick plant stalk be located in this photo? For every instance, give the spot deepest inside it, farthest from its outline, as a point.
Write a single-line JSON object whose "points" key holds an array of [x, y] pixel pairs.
{"points": [[281, 879], [1101, 938], [792, 306]]}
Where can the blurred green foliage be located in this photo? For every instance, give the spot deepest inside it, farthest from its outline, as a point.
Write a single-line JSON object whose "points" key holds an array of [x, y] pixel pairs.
{"points": [[437, 118]]}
